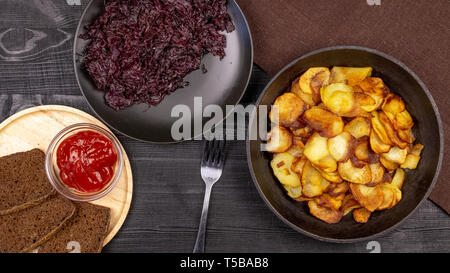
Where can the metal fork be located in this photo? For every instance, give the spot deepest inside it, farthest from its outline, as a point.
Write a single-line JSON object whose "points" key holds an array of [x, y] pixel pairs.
{"points": [[211, 170]]}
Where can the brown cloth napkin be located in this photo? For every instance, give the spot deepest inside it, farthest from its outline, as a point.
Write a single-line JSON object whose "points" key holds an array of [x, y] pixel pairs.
{"points": [[415, 32]]}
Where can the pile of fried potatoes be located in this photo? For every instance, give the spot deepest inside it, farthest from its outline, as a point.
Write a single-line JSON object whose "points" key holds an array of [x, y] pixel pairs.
{"points": [[341, 142]]}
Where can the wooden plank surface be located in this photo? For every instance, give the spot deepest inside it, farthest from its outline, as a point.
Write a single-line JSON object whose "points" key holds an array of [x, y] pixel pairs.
{"points": [[168, 191]]}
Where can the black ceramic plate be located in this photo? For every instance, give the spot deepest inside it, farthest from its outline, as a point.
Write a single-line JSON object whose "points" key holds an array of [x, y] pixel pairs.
{"points": [[223, 84], [418, 183]]}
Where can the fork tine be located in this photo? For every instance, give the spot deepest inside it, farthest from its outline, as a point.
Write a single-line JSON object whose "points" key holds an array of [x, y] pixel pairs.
{"points": [[214, 154], [217, 149], [224, 155], [208, 151], [219, 158]]}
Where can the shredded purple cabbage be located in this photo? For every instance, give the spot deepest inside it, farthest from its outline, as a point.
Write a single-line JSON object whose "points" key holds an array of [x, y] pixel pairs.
{"points": [[141, 50]]}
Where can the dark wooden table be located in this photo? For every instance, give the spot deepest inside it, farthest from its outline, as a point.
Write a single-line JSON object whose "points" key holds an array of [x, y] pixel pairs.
{"points": [[36, 38]]}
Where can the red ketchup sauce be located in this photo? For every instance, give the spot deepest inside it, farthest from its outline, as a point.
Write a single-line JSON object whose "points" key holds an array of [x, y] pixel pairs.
{"points": [[86, 161]]}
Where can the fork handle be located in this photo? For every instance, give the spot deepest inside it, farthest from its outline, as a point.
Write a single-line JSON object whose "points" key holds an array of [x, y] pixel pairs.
{"points": [[200, 242]]}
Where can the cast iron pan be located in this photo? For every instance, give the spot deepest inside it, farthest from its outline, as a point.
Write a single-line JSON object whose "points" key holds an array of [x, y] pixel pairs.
{"points": [[418, 183], [223, 84]]}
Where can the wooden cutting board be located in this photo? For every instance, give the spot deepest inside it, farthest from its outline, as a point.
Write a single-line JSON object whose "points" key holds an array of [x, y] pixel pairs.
{"points": [[35, 127]]}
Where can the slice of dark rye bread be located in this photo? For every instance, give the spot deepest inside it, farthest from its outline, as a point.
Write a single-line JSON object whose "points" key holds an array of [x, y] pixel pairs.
{"points": [[23, 182], [24, 230], [88, 228]]}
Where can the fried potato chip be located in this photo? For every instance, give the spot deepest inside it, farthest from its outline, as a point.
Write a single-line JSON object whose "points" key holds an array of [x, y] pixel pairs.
{"points": [[388, 164], [293, 192], [327, 91], [342, 103], [413, 158], [304, 132], [328, 201], [411, 162], [358, 127], [397, 194], [279, 140], [281, 165], [361, 215], [306, 78], [287, 110], [417, 149], [406, 135], [389, 198], [338, 189], [338, 98], [325, 122], [298, 164], [362, 151], [350, 75], [296, 149], [364, 101], [379, 129], [398, 179], [377, 171], [312, 181], [327, 164], [390, 131], [377, 145], [327, 215], [390, 116], [355, 175], [396, 155], [403, 121], [316, 148], [375, 88], [312, 80], [393, 104], [332, 177], [369, 197], [348, 204], [340, 146], [307, 98]]}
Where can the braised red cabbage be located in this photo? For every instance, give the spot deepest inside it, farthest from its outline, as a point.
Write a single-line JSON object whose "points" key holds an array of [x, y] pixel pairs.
{"points": [[141, 50]]}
